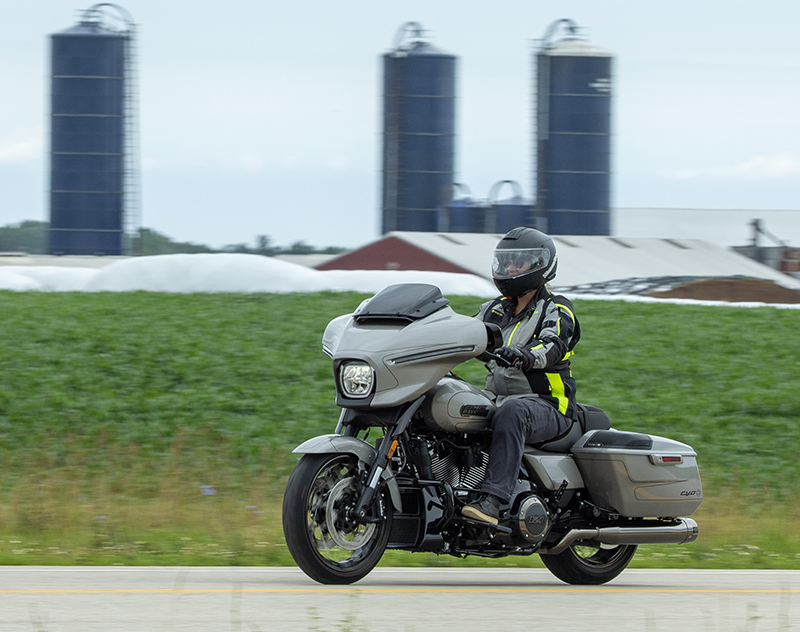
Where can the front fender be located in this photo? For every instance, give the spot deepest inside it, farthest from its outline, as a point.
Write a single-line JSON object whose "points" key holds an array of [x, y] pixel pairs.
{"points": [[363, 451]]}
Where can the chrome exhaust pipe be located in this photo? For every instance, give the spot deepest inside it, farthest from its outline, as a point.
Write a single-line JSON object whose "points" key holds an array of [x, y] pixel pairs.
{"points": [[682, 533]]}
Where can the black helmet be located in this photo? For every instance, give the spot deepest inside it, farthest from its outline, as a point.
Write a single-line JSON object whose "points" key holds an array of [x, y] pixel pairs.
{"points": [[524, 260]]}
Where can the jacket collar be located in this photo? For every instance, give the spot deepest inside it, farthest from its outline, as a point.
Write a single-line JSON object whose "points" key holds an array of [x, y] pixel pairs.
{"points": [[508, 303]]}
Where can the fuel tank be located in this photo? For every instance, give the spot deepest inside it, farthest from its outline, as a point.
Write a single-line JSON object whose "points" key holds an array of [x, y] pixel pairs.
{"points": [[454, 405]]}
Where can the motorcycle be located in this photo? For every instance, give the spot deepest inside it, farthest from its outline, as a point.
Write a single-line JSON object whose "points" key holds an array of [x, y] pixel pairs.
{"points": [[583, 501]]}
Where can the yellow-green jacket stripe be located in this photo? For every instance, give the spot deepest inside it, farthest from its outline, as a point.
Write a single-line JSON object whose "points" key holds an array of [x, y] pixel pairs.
{"points": [[546, 331]]}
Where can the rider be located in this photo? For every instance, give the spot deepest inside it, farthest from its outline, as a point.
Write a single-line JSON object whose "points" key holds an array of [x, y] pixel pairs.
{"points": [[535, 392]]}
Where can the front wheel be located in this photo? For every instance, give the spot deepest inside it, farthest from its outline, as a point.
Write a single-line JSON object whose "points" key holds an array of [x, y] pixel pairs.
{"points": [[324, 540], [583, 563]]}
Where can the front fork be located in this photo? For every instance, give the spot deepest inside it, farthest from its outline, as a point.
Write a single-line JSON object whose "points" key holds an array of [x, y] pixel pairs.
{"points": [[387, 449]]}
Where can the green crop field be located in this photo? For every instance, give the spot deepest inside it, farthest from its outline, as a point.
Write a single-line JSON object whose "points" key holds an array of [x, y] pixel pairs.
{"points": [[142, 428]]}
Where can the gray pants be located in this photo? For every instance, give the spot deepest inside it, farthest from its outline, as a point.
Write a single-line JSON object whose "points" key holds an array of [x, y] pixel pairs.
{"points": [[517, 422]]}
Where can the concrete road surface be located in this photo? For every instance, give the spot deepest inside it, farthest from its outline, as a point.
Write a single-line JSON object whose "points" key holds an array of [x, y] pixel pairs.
{"points": [[88, 599]]}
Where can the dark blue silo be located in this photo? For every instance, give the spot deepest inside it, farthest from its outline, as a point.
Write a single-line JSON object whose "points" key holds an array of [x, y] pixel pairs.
{"points": [[88, 165], [573, 125], [464, 214], [510, 212], [418, 132]]}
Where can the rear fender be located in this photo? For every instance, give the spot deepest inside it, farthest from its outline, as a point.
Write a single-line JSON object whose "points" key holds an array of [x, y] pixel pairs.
{"points": [[363, 451]]}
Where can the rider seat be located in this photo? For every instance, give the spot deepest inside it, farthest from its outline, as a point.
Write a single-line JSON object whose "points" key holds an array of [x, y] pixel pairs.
{"points": [[586, 418]]}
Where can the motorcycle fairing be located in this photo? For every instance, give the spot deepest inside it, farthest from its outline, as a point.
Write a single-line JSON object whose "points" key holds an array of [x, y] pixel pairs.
{"points": [[405, 362]]}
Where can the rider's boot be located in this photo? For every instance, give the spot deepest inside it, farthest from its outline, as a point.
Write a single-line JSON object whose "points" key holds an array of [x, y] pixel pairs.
{"points": [[485, 509]]}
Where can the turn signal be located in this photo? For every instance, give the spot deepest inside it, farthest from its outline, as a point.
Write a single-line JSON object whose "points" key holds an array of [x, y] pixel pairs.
{"points": [[666, 459]]}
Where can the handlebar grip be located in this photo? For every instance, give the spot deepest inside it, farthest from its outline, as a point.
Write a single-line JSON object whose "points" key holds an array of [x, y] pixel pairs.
{"points": [[486, 356]]}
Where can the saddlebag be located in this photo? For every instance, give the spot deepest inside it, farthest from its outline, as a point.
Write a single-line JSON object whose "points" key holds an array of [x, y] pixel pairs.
{"points": [[639, 475]]}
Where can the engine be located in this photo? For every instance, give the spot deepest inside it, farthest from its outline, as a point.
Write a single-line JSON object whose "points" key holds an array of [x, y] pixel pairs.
{"points": [[459, 467]]}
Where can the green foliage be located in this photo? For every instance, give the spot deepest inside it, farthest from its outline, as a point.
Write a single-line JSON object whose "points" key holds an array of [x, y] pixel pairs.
{"points": [[151, 242], [31, 237], [101, 374], [124, 405], [265, 247], [28, 236]]}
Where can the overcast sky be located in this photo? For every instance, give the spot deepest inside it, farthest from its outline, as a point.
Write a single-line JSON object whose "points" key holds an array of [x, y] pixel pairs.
{"points": [[263, 118]]}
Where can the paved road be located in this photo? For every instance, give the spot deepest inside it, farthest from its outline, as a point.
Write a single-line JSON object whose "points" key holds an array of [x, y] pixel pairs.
{"points": [[69, 599]]}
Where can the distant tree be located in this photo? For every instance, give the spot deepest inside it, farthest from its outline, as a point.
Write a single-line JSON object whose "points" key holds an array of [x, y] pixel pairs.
{"points": [[28, 236], [263, 246], [299, 248], [150, 242], [238, 248]]}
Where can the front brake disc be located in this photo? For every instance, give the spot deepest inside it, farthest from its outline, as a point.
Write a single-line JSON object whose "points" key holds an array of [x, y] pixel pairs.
{"points": [[358, 534]]}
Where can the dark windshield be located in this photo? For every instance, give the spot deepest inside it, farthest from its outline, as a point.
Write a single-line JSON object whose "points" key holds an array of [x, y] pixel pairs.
{"points": [[404, 301]]}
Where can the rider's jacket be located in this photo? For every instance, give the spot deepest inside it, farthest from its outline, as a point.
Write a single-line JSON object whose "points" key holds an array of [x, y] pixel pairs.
{"points": [[546, 331]]}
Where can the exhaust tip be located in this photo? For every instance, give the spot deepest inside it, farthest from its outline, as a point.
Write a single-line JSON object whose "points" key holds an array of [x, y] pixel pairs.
{"points": [[692, 530]]}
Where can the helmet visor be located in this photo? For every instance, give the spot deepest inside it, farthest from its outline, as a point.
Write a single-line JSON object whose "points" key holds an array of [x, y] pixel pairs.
{"points": [[507, 264]]}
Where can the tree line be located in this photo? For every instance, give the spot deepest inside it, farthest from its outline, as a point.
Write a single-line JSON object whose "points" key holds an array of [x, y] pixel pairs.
{"points": [[30, 237]]}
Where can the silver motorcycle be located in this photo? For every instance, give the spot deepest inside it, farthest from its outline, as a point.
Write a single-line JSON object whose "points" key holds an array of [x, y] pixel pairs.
{"points": [[410, 450]]}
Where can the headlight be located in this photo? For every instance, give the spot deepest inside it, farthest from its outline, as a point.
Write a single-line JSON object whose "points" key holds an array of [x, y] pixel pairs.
{"points": [[357, 379]]}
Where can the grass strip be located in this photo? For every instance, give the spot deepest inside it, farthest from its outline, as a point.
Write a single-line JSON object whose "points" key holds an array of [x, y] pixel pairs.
{"points": [[118, 412]]}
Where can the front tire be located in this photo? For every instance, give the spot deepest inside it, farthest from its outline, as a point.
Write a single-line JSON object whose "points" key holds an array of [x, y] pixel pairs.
{"points": [[582, 563], [324, 540]]}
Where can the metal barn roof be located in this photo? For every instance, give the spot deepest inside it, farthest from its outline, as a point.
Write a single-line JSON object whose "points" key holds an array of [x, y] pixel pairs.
{"points": [[582, 259]]}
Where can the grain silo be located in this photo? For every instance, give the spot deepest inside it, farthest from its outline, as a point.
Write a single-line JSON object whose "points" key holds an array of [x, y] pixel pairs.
{"points": [[461, 213], [93, 157], [573, 134], [508, 213], [419, 97]]}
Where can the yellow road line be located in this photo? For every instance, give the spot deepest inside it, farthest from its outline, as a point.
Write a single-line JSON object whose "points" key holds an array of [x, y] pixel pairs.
{"points": [[395, 591]]}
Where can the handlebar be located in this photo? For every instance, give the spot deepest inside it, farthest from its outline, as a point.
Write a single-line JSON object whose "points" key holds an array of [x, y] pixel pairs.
{"points": [[487, 355]]}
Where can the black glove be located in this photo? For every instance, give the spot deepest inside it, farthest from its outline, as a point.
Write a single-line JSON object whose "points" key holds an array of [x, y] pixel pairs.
{"points": [[514, 357]]}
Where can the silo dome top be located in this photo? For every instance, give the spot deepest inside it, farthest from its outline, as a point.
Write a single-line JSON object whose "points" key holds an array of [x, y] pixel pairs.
{"points": [[103, 20], [574, 47], [423, 48], [89, 29], [409, 41], [573, 44]]}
